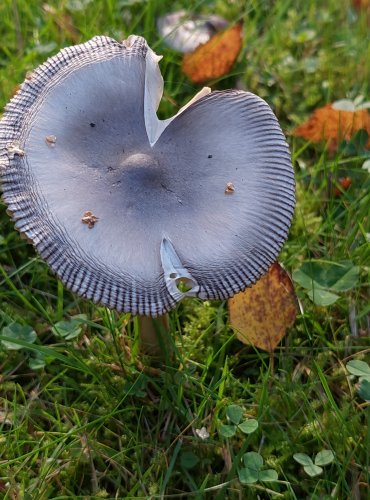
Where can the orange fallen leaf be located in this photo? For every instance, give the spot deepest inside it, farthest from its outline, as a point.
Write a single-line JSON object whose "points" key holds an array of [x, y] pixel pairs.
{"points": [[333, 125], [261, 314], [215, 58]]}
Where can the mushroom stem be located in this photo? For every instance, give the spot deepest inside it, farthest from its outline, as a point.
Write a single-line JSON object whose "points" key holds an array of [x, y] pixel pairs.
{"points": [[154, 338]]}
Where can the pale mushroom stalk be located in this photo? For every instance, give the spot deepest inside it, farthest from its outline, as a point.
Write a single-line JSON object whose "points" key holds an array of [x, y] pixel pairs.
{"points": [[154, 339], [134, 212]]}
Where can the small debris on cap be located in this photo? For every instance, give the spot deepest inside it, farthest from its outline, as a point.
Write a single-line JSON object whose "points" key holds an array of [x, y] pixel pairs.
{"points": [[230, 188], [50, 140], [90, 219], [14, 149]]}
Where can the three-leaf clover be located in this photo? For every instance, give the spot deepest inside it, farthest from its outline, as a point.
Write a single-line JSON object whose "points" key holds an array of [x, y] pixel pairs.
{"points": [[234, 414], [314, 468], [39, 360], [323, 280], [16, 332], [361, 370], [253, 472], [70, 329], [24, 333]]}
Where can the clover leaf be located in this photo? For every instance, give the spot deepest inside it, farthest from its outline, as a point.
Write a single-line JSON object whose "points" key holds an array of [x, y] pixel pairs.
{"points": [[313, 468], [16, 332], [234, 414], [253, 472]]}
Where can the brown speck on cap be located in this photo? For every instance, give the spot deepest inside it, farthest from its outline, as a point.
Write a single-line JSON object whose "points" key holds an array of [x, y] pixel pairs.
{"points": [[230, 188], [90, 219], [50, 140]]}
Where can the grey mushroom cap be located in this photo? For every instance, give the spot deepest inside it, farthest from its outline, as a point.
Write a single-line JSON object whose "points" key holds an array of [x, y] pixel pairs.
{"points": [[124, 206]]}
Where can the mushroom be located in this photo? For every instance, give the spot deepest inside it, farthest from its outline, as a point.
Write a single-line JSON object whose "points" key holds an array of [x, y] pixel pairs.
{"points": [[134, 212], [184, 31]]}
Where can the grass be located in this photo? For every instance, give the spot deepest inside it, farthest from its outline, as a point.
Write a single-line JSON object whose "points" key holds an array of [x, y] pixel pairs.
{"points": [[83, 418]]}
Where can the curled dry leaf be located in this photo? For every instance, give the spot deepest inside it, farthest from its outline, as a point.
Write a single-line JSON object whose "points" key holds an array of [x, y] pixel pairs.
{"points": [[261, 314], [333, 125], [215, 58]]}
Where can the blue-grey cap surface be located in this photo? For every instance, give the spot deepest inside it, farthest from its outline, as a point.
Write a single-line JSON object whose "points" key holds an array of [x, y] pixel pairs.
{"points": [[124, 206]]}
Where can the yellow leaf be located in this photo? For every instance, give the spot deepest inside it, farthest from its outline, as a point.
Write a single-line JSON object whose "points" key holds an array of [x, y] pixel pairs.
{"points": [[261, 314], [215, 58]]}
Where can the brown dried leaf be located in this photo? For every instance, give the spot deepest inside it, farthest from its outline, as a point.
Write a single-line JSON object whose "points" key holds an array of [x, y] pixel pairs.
{"points": [[261, 314], [215, 58], [333, 125]]}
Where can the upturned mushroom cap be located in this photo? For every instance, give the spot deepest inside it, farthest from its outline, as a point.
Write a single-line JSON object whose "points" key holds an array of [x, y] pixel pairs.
{"points": [[123, 206]]}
